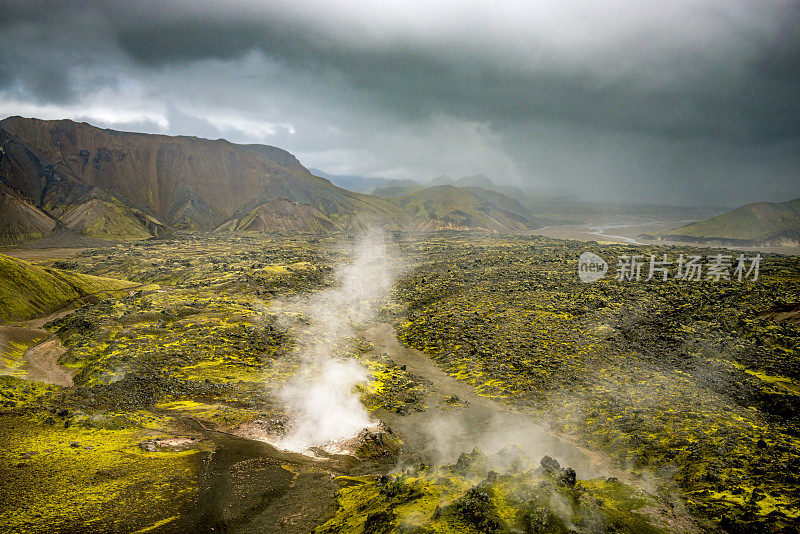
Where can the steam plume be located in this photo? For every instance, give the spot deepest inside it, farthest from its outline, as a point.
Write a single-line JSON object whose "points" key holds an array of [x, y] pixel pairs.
{"points": [[321, 395]]}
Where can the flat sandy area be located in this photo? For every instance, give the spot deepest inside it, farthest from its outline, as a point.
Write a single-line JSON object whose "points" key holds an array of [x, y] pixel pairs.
{"points": [[35, 255], [631, 233]]}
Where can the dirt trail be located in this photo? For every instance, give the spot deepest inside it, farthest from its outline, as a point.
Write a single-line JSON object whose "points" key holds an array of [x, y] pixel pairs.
{"points": [[39, 322], [441, 432], [40, 361]]}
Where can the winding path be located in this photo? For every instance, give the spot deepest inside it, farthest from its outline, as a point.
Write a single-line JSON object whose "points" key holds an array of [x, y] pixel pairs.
{"points": [[41, 359]]}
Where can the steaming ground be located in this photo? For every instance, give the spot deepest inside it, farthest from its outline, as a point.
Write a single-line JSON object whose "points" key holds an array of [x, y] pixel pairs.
{"points": [[696, 383], [322, 401], [439, 434], [321, 397], [328, 425]]}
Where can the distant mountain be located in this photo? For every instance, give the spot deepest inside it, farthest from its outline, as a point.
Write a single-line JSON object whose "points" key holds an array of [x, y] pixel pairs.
{"points": [[469, 203], [761, 223], [388, 187], [120, 185], [446, 207], [71, 180], [357, 184], [279, 215], [185, 182], [482, 181], [397, 188], [38, 198]]}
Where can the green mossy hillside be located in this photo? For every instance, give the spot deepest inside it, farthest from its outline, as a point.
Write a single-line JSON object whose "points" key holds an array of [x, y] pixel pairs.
{"points": [[28, 290], [761, 222]]}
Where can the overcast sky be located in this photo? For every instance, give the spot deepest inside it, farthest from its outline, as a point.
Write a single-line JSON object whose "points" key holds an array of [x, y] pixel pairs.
{"points": [[686, 101]]}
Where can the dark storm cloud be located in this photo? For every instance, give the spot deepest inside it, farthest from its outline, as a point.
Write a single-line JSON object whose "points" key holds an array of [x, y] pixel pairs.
{"points": [[759, 102], [544, 88]]}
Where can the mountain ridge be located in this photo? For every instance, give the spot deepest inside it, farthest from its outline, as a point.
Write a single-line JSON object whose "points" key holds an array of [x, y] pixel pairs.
{"points": [[758, 223], [109, 184]]}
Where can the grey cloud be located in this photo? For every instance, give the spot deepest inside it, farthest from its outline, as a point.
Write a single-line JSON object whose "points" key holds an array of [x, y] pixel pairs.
{"points": [[643, 97], [56, 53], [751, 97], [35, 70]]}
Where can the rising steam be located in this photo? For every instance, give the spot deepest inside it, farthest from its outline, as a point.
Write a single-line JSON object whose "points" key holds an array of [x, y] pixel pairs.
{"points": [[321, 397]]}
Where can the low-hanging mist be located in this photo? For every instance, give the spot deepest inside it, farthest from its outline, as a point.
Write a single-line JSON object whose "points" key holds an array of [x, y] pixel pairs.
{"points": [[320, 397]]}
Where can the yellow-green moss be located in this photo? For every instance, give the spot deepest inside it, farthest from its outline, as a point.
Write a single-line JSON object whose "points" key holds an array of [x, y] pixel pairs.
{"points": [[28, 290], [57, 478]]}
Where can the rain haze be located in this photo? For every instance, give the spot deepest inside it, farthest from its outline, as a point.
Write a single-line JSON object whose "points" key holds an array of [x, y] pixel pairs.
{"points": [[684, 103]]}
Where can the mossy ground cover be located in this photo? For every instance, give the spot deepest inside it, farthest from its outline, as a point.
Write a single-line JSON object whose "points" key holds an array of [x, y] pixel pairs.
{"points": [[684, 379], [13, 344], [192, 339], [686, 383], [391, 387], [71, 470]]}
